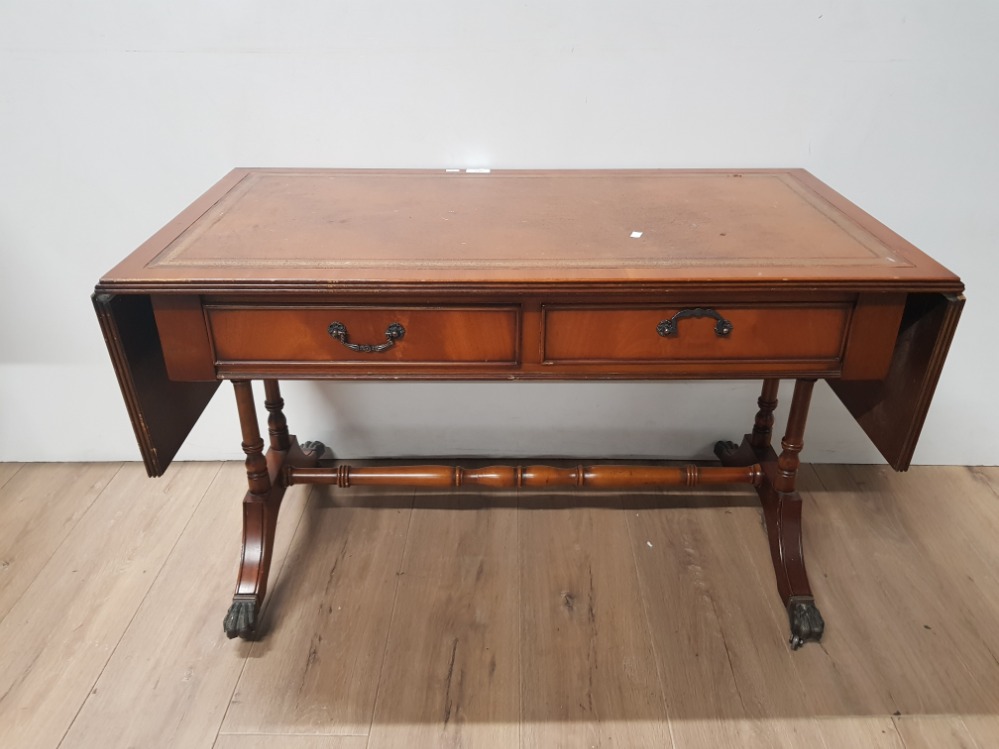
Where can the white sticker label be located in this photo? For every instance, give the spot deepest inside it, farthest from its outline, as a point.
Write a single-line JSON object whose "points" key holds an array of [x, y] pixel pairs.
{"points": [[477, 171], [636, 235]]}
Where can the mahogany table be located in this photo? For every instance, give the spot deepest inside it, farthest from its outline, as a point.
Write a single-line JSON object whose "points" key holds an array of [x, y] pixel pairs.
{"points": [[608, 275]]}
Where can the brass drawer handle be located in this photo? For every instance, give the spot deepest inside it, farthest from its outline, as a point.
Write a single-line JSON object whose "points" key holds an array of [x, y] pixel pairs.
{"points": [[668, 327], [393, 333]]}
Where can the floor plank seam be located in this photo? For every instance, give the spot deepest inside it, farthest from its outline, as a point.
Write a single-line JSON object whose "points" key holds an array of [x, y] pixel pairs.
{"points": [[249, 652], [923, 555], [898, 733], [392, 613], [980, 476], [648, 622], [152, 584], [520, 632], [942, 695], [48, 561], [304, 734], [807, 495], [20, 467], [57, 547]]}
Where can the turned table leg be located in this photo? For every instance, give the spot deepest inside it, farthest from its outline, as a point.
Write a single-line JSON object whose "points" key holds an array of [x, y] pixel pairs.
{"points": [[782, 510], [781, 502], [263, 500], [277, 424], [756, 445], [763, 427], [260, 510]]}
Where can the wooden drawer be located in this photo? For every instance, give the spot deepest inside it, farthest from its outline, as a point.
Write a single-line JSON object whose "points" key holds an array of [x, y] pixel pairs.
{"points": [[300, 334], [776, 333]]}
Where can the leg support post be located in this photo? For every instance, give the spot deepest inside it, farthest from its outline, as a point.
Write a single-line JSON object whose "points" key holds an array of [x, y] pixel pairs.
{"points": [[260, 509], [764, 425], [782, 509], [794, 437], [277, 424], [781, 502], [263, 500], [755, 446]]}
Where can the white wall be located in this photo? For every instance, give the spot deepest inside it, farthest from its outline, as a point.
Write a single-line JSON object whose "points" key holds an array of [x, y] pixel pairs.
{"points": [[114, 114]]}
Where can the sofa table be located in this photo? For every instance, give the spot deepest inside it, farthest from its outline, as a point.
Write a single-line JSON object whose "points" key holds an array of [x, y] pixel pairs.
{"points": [[548, 275]]}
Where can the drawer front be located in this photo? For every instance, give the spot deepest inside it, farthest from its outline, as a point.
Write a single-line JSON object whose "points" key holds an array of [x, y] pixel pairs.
{"points": [[291, 334], [758, 334]]}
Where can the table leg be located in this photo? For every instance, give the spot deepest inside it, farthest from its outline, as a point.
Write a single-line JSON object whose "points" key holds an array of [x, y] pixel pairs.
{"points": [[782, 510], [782, 503], [263, 500], [755, 446], [277, 424], [764, 425]]}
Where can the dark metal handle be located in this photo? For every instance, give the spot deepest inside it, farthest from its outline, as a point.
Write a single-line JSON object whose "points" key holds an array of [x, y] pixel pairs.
{"points": [[393, 333], [668, 327]]}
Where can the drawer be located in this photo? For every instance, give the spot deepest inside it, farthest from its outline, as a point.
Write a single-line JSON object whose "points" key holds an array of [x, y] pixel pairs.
{"points": [[758, 333], [291, 334]]}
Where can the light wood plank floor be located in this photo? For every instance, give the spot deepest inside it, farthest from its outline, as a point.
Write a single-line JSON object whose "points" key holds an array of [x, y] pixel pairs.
{"points": [[404, 619]]}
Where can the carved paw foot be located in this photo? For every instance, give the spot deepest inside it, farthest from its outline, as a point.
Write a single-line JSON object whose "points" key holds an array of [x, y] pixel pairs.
{"points": [[724, 449], [241, 621], [313, 450], [806, 621]]}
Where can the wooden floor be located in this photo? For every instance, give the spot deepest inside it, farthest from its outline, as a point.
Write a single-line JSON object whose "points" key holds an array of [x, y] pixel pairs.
{"points": [[399, 619]]}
